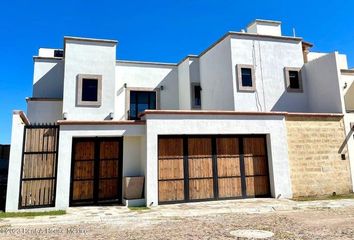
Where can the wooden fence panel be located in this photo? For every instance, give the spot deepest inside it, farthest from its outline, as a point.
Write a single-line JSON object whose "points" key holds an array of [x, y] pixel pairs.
{"points": [[39, 162]]}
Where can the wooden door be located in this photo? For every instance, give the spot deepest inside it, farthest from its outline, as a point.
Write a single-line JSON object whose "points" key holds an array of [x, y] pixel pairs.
{"points": [[229, 167], [256, 166], [171, 169], [96, 174], [200, 168]]}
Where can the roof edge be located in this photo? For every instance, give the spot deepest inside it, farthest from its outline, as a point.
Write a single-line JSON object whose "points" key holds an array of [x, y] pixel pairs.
{"points": [[89, 39], [215, 112]]}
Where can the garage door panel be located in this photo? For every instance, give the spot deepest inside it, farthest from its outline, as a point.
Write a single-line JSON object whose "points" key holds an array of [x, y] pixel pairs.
{"points": [[201, 189], [257, 186], [109, 150], [227, 146], [256, 166], [171, 190], [200, 167], [84, 150], [83, 190], [199, 147], [229, 166], [229, 187], [84, 170], [108, 188], [171, 169], [254, 146], [171, 147]]}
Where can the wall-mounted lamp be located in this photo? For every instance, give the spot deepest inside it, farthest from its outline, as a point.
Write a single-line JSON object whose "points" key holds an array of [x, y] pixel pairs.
{"points": [[65, 115], [111, 115], [345, 85], [161, 87], [125, 85]]}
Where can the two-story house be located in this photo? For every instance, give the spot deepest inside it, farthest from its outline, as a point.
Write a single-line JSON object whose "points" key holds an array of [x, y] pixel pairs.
{"points": [[257, 114]]}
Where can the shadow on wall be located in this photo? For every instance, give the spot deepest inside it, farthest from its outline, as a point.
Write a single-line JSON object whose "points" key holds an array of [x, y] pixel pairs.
{"points": [[50, 85], [293, 101]]}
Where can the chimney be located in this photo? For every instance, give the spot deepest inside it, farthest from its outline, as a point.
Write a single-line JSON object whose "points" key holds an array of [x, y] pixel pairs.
{"points": [[265, 27]]}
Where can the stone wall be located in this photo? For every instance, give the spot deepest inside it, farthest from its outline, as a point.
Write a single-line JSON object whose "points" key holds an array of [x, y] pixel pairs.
{"points": [[315, 145]]}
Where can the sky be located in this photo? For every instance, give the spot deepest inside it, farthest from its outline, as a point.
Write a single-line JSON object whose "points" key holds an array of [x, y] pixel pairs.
{"points": [[154, 30]]}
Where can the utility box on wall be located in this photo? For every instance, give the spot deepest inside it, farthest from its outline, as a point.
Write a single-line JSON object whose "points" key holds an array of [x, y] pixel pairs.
{"points": [[133, 187]]}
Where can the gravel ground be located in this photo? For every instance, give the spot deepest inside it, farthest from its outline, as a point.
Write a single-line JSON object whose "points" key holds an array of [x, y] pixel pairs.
{"points": [[300, 224]]}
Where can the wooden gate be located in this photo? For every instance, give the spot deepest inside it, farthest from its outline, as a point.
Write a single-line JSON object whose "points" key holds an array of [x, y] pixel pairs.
{"points": [[96, 173], [194, 168], [39, 166]]}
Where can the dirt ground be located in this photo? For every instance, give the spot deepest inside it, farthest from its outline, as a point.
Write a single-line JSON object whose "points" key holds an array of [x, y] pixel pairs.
{"points": [[299, 224]]}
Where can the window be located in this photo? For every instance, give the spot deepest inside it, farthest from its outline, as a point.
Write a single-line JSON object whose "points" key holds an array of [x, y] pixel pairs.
{"points": [[293, 81], [89, 89], [246, 78], [196, 98], [58, 53], [140, 101]]}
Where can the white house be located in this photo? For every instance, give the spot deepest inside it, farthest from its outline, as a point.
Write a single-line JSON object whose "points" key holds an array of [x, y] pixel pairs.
{"points": [[254, 115]]}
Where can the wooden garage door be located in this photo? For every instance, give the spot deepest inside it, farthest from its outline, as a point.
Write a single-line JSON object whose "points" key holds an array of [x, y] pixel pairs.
{"points": [[96, 170], [256, 166], [195, 168], [200, 168], [171, 171], [229, 167]]}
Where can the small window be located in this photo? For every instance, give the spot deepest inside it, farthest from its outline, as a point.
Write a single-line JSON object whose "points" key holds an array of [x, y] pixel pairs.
{"points": [[196, 96], [246, 78], [140, 101], [89, 90], [293, 80], [58, 53]]}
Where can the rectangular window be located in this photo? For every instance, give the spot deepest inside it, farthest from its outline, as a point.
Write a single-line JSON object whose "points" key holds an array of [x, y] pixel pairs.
{"points": [[293, 80], [140, 101], [89, 90], [196, 96], [246, 75], [245, 78]]}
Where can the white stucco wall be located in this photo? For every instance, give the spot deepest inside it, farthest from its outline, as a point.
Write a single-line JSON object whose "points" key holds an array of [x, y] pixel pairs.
{"points": [[67, 132], [265, 28], [269, 58], [15, 160], [82, 57], [48, 78], [323, 83], [184, 85], [132, 157], [348, 92], [44, 111], [216, 77], [145, 75], [273, 126]]}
